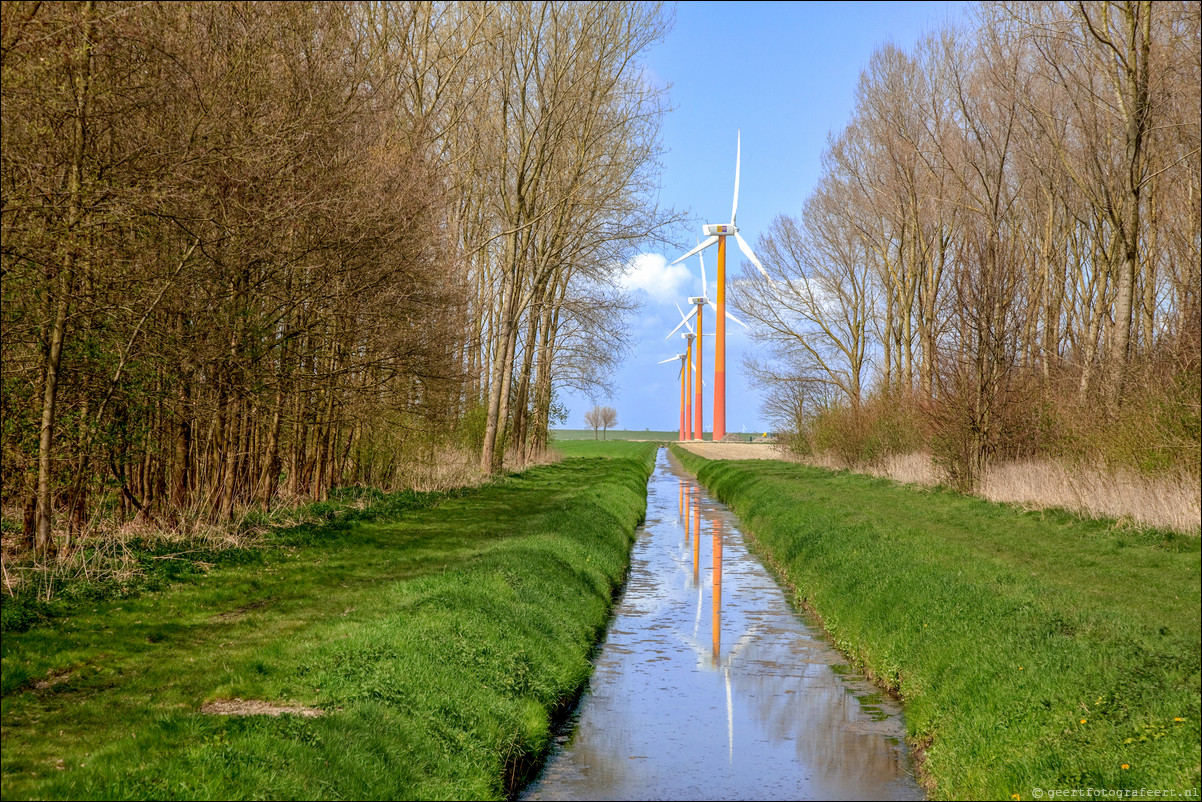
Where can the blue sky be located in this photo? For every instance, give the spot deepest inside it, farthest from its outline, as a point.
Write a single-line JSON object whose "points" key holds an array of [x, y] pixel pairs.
{"points": [[786, 74]]}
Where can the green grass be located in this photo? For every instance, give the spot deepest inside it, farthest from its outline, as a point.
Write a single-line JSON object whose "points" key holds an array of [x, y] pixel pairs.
{"points": [[560, 435], [441, 635], [1033, 649]]}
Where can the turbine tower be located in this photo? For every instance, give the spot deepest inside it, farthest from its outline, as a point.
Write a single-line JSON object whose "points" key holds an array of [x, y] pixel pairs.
{"points": [[698, 305], [683, 375], [705, 299], [717, 233], [686, 431]]}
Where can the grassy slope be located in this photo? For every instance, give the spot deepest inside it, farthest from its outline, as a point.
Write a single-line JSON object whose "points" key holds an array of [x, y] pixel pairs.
{"points": [[440, 641], [1033, 649]]}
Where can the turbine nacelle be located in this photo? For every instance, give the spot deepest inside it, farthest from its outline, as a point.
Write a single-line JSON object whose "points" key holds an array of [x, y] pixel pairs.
{"points": [[698, 299], [716, 231]]}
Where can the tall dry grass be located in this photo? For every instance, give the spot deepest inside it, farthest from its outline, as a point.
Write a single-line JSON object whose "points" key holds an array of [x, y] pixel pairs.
{"points": [[1169, 502], [912, 468], [445, 468]]}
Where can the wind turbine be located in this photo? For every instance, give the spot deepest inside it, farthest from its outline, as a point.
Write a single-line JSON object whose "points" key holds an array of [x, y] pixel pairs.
{"points": [[683, 374], [686, 366], [721, 327], [698, 429], [717, 233]]}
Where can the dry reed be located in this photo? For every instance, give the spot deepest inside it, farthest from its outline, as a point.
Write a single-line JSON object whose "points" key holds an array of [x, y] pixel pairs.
{"points": [[1169, 502]]}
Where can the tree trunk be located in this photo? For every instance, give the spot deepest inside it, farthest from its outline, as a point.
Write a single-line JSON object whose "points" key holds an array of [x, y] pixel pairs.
{"points": [[66, 281]]}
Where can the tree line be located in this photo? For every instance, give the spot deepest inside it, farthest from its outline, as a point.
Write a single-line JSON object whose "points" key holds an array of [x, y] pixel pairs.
{"points": [[1001, 258], [254, 251]]}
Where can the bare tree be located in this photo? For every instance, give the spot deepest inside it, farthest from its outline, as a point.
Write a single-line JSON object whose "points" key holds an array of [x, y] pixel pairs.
{"points": [[594, 419], [813, 309], [1009, 207], [609, 419]]}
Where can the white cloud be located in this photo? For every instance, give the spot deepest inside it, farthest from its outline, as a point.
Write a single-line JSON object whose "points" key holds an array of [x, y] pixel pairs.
{"points": [[651, 273]]}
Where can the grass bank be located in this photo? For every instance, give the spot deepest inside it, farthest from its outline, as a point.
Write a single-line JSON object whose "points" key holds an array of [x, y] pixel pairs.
{"points": [[1034, 650], [416, 654]]}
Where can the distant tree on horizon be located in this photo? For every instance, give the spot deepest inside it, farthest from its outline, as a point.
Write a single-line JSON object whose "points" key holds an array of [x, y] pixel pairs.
{"points": [[603, 418], [592, 419], [609, 419]]}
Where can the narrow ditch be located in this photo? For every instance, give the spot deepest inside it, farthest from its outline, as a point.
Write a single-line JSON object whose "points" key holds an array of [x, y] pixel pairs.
{"points": [[709, 686]]}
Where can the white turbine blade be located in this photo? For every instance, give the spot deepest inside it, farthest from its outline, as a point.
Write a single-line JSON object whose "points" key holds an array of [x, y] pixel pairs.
{"points": [[682, 323], [736, 320], [730, 720], [728, 314], [704, 288], [708, 242], [662, 361], [738, 153], [746, 249]]}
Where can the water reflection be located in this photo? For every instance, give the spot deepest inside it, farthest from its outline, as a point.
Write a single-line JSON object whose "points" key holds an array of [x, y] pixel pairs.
{"points": [[671, 715]]}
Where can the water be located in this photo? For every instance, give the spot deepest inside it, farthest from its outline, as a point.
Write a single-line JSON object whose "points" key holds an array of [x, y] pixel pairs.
{"points": [[709, 686]]}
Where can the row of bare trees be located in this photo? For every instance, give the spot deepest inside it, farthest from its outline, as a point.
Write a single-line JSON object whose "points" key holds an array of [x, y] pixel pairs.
{"points": [[1008, 226], [601, 417], [260, 250]]}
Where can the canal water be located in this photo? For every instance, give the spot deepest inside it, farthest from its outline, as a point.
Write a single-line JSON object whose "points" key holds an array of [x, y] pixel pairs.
{"points": [[709, 686]]}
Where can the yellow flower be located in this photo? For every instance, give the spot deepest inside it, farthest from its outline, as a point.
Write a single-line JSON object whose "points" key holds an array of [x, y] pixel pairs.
{"points": [[1082, 721], [1126, 766], [1015, 796], [1178, 718]]}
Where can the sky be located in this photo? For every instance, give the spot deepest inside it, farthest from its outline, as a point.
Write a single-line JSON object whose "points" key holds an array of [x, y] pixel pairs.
{"points": [[785, 73]]}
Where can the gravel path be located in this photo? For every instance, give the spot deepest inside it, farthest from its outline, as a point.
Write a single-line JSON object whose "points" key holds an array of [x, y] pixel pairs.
{"points": [[734, 450]]}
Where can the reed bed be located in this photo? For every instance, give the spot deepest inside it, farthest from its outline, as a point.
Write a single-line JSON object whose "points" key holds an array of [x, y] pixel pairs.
{"points": [[1092, 490]]}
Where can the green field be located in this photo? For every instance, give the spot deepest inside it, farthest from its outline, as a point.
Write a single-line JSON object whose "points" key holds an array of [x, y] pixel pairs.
{"points": [[568, 435], [1034, 650], [561, 435], [439, 636]]}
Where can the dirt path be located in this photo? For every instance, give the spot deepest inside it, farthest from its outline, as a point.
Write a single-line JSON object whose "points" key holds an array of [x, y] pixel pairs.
{"points": [[734, 450]]}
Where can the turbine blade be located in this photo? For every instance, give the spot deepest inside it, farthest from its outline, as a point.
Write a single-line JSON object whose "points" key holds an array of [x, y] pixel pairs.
{"points": [[736, 320], [708, 242], [682, 323], [704, 289], [662, 361], [738, 153], [746, 249], [728, 314]]}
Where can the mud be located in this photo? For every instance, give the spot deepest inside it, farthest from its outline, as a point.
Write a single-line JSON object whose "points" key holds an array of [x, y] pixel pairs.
{"points": [[256, 707]]}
